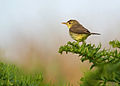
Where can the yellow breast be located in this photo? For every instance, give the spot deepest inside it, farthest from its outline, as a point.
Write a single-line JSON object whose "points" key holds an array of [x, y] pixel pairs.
{"points": [[78, 37]]}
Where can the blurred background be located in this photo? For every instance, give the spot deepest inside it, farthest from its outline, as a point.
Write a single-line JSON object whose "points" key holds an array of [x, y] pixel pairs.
{"points": [[31, 33]]}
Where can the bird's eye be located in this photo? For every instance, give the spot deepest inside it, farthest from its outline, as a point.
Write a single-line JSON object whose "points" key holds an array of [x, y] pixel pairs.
{"points": [[69, 22]]}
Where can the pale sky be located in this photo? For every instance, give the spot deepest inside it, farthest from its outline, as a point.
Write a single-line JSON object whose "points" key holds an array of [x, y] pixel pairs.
{"points": [[40, 20]]}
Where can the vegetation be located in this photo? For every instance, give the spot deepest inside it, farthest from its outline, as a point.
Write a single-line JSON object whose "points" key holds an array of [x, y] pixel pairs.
{"points": [[105, 68], [104, 71], [10, 75]]}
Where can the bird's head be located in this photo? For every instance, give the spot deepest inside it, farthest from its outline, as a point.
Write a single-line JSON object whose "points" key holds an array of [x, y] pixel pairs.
{"points": [[71, 23]]}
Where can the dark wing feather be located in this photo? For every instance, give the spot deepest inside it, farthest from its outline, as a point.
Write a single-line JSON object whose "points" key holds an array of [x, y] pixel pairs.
{"points": [[79, 29]]}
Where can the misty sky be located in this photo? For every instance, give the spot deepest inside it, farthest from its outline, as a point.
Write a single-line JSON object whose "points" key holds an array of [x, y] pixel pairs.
{"points": [[41, 19]]}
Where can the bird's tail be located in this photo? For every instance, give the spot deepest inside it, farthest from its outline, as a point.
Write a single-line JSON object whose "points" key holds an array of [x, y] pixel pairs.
{"points": [[95, 33]]}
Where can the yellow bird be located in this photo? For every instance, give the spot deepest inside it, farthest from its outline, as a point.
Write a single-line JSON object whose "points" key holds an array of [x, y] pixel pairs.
{"points": [[77, 31]]}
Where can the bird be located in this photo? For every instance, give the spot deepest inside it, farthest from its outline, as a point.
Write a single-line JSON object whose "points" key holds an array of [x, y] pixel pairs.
{"points": [[78, 32]]}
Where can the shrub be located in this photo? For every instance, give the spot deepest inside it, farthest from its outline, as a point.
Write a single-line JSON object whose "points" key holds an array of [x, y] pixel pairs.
{"points": [[10, 75], [106, 63]]}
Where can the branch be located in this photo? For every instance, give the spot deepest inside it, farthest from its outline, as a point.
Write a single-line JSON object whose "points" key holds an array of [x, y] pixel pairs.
{"points": [[94, 54]]}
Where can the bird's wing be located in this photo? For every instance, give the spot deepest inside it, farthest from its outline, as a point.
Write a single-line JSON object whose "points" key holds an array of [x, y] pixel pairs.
{"points": [[79, 29]]}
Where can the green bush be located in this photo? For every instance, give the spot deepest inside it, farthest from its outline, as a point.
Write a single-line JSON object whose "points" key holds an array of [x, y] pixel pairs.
{"points": [[106, 63], [10, 75]]}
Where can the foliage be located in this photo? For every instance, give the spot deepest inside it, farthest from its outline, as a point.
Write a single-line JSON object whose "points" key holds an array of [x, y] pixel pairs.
{"points": [[106, 62], [10, 75]]}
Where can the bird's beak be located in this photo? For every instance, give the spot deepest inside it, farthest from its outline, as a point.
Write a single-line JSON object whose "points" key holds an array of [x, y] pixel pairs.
{"points": [[64, 23]]}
